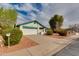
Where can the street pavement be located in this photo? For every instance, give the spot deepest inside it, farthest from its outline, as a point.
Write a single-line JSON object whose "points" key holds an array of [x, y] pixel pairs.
{"points": [[71, 50]]}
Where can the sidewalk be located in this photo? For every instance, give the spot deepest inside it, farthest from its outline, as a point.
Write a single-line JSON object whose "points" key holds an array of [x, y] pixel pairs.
{"points": [[47, 46]]}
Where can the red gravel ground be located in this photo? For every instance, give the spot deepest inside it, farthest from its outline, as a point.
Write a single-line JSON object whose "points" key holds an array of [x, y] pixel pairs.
{"points": [[58, 37], [55, 35], [24, 43]]}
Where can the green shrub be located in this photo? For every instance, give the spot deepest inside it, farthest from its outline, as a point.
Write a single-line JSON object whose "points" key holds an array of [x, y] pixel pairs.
{"points": [[56, 30], [62, 32], [0, 31], [49, 32], [15, 37]]}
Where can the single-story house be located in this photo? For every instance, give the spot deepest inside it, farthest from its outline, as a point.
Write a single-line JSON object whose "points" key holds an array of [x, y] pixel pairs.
{"points": [[70, 31], [32, 28]]}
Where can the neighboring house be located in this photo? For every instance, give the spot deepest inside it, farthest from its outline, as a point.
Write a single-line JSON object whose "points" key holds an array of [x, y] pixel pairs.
{"points": [[70, 31], [75, 27], [32, 28]]}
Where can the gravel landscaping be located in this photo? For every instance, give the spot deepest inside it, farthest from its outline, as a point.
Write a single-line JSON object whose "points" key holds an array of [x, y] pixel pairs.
{"points": [[24, 43]]}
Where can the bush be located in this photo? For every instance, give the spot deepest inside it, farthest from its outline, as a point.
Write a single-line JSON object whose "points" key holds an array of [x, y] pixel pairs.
{"points": [[49, 32], [15, 37], [62, 32], [56, 30]]}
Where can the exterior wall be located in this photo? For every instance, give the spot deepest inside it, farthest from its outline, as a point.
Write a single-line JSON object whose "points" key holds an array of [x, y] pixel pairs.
{"points": [[70, 32], [31, 31]]}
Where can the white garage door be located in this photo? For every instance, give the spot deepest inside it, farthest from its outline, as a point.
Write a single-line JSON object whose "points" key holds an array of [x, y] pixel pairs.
{"points": [[29, 31]]}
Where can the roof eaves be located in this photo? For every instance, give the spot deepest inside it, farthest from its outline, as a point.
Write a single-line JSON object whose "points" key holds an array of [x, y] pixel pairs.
{"points": [[31, 22]]}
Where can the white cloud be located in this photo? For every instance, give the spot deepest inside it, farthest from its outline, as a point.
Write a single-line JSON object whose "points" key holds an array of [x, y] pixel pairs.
{"points": [[69, 11], [5, 5]]}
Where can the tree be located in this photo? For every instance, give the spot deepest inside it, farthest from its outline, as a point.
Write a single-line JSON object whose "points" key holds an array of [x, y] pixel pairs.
{"points": [[7, 19], [8, 25], [56, 22], [61, 21]]}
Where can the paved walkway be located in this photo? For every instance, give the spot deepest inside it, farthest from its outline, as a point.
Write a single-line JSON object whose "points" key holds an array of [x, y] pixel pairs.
{"points": [[47, 46]]}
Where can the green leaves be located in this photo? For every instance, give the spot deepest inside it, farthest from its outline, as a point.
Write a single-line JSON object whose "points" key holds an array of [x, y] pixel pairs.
{"points": [[56, 22], [49, 31], [7, 19], [15, 37], [8, 15]]}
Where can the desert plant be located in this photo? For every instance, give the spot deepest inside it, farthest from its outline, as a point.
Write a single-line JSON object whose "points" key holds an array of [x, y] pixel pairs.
{"points": [[62, 32], [15, 37], [56, 22], [7, 21], [56, 30], [49, 31]]}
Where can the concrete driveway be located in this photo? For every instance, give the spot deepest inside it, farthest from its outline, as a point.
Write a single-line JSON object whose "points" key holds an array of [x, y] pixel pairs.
{"points": [[47, 46]]}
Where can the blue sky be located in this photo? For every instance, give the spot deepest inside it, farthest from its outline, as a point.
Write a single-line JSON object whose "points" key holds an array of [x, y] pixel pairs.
{"points": [[43, 12]]}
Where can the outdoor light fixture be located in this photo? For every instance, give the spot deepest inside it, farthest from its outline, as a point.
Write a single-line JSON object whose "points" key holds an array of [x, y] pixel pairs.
{"points": [[8, 35]]}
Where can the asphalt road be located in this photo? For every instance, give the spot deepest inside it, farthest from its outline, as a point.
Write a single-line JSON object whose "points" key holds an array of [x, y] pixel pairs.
{"points": [[70, 50]]}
